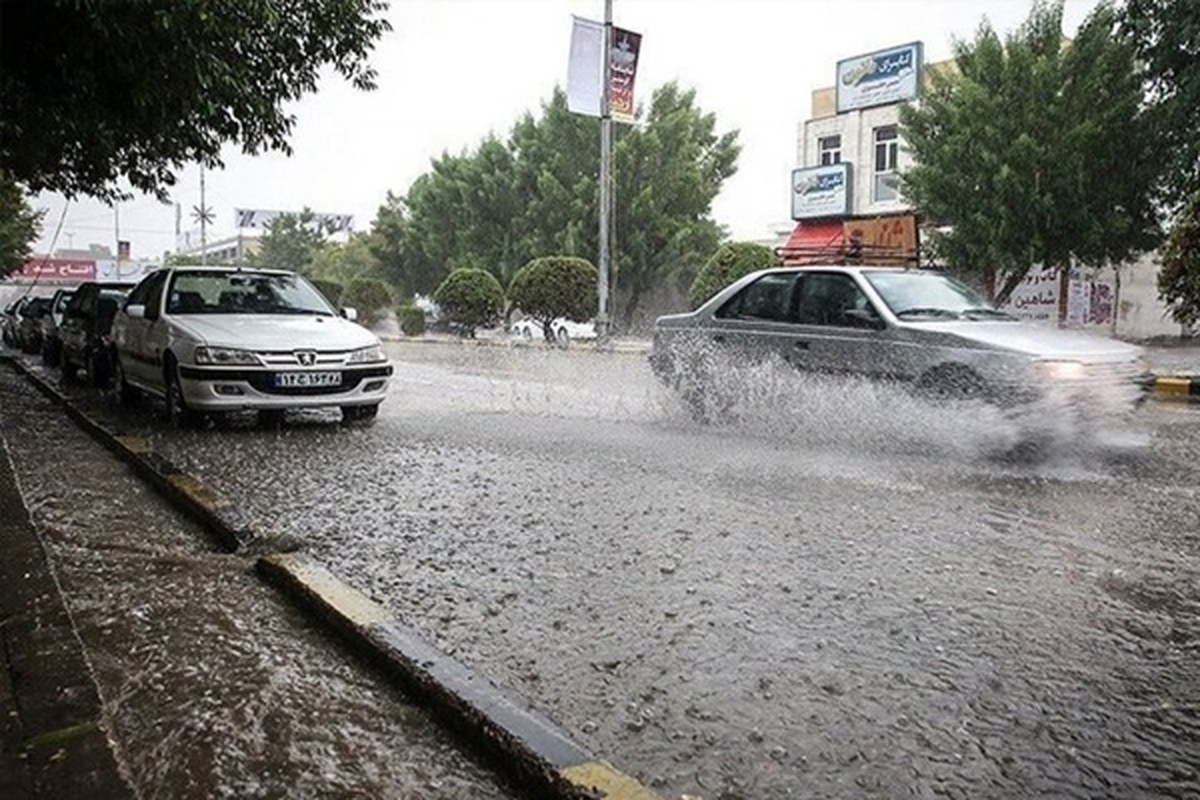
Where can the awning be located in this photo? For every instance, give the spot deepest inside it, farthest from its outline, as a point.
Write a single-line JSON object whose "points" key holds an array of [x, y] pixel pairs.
{"points": [[814, 243]]}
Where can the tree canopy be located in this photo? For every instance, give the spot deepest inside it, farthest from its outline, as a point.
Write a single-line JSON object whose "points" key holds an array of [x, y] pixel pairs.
{"points": [[1166, 34], [18, 226], [93, 91], [1034, 150], [1179, 279], [537, 194], [292, 241]]}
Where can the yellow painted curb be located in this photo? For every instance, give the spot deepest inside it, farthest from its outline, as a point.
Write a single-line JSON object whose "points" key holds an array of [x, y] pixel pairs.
{"points": [[352, 604], [1174, 387], [609, 781]]}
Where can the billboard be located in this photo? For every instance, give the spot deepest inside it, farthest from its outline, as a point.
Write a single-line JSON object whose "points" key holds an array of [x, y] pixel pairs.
{"points": [[821, 191], [879, 78], [261, 218]]}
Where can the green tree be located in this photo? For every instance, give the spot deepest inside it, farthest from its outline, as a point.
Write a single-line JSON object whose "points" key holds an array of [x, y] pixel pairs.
{"points": [[555, 286], [1166, 34], [1033, 151], [345, 262], [370, 297], [292, 241], [471, 297], [18, 226], [1179, 278], [94, 91], [331, 290], [730, 262], [503, 204], [412, 319]]}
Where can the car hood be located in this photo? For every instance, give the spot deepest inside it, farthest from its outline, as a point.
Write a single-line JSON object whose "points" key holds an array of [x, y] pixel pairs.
{"points": [[1038, 341], [275, 331]]}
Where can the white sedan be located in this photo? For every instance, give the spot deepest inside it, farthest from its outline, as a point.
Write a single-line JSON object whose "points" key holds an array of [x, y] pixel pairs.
{"points": [[564, 330], [214, 339]]}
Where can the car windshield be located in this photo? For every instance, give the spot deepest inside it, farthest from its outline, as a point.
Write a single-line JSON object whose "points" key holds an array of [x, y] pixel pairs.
{"points": [[931, 295], [224, 292]]}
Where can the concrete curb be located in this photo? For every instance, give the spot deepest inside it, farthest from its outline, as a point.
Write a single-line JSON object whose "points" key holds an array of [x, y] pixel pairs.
{"points": [[1178, 388], [538, 753], [522, 744]]}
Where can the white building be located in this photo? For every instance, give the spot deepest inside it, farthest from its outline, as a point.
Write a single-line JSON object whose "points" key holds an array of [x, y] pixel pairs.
{"points": [[849, 154]]}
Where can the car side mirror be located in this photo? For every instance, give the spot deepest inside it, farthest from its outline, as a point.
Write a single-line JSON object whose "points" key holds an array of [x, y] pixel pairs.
{"points": [[135, 311], [350, 314], [864, 318]]}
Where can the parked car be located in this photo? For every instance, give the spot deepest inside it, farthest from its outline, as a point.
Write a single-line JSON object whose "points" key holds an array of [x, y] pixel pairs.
{"points": [[215, 339], [11, 319], [562, 329], [51, 338], [28, 335], [919, 327], [86, 332]]}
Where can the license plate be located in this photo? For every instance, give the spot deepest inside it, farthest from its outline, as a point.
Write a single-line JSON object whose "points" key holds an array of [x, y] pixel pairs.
{"points": [[294, 379]]}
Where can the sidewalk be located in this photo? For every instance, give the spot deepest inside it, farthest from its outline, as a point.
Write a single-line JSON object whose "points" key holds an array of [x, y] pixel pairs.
{"points": [[51, 734]]}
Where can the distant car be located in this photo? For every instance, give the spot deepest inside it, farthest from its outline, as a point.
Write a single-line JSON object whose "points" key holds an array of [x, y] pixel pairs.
{"points": [[86, 332], [217, 339], [11, 319], [28, 335], [562, 329], [918, 327], [51, 340]]}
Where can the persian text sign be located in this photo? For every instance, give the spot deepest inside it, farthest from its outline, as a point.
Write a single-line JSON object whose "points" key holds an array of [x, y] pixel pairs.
{"points": [[1035, 297], [72, 270], [623, 57], [821, 191], [585, 71], [885, 239], [880, 78]]}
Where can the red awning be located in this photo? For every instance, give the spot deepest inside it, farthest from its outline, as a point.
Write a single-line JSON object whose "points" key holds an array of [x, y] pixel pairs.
{"points": [[813, 243]]}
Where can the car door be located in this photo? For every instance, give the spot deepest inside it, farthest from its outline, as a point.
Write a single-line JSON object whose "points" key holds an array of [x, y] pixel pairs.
{"points": [[74, 325], [138, 337], [838, 330], [755, 324]]}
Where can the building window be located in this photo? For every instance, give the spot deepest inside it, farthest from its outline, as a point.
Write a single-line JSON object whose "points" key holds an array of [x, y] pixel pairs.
{"points": [[887, 147], [830, 150]]}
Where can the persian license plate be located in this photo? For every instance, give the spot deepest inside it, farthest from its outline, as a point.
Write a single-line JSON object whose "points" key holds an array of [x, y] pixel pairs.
{"points": [[296, 379]]}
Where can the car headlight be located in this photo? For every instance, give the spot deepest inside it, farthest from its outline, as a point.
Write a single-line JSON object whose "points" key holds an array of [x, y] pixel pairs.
{"points": [[1062, 371], [367, 355], [224, 356]]}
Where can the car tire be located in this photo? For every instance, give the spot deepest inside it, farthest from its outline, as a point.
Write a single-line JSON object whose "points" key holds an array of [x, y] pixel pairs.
{"points": [[96, 371], [561, 337], [70, 373], [178, 413], [352, 414], [271, 418], [126, 394]]}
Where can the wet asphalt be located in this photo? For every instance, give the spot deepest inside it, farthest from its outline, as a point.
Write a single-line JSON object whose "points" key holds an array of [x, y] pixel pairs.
{"points": [[840, 592]]}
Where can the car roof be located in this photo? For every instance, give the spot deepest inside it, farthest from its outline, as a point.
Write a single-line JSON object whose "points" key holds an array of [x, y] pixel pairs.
{"points": [[224, 268]]}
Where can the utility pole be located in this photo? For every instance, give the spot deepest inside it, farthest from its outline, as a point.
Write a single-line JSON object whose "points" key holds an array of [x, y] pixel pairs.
{"points": [[203, 222], [602, 327]]}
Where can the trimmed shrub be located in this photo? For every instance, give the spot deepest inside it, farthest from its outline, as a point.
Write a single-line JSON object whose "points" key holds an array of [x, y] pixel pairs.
{"points": [[331, 289], [369, 297], [412, 320], [730, 262], [471, 298], [555, 286]]}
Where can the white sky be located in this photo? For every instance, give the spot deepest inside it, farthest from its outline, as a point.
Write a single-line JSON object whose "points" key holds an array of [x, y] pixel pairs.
{"points": [[451, 71]]}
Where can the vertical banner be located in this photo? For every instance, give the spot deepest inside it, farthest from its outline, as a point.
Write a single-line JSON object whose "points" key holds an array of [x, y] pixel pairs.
{"points": [[584, 73], [122, 251], [624, 57]]}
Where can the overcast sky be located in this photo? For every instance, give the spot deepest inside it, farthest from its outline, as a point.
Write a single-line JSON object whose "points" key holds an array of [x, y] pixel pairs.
{"points": [[451, 71]]}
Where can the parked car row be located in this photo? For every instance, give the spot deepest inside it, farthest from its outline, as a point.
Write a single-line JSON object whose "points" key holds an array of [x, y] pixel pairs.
{"points": [[207, 340], [22, 324]]}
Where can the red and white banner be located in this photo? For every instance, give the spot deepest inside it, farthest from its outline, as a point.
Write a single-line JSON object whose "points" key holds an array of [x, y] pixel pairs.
{"points": [[58, 270], [585, 72]]}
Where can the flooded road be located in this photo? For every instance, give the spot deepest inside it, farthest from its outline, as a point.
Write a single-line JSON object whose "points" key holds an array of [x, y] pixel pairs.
{"points": [[837, 593], [212, 684]]}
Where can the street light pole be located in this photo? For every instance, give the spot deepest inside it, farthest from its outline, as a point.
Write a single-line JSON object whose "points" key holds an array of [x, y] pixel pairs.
{"points": [[602, 327]]}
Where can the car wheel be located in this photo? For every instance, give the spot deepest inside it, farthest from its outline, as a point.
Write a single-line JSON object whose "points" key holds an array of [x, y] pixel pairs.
{"points": [[70, 372], [125, 392], [179, 414], [271, 418], [561, 337], [97, 371], [359, 413]]}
